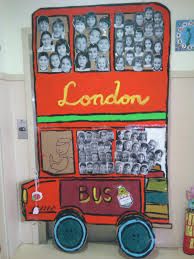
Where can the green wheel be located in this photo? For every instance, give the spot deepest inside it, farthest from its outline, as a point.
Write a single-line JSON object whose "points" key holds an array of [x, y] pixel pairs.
{"points": [[70, 233], [136, 237]]}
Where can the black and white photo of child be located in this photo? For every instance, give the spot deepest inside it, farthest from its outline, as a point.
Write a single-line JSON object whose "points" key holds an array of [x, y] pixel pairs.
{"points": [[148, 14], [119, 34], [66, 64], [43, 23], [158, 19], [139, 19], [93, 52], [46, 43], [159, 32], [157, 63], [102, 63], [138, 64], [82, 62], [148, 29], [97, 151], [148, 60], [94, 35], [55, 63], [104, 45], [119, 20], [80, 43], [139, 35], [129, 27], [119, 48], [157, 48], [104, 25], [79, 24], [91, 20], [120, 63], [43, 62], [58, 29], [129, 43], [148, 45], [62, 48], [130, 58]]}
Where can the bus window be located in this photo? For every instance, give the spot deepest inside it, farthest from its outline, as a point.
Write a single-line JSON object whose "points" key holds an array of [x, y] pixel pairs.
{"points": [[53, 51], [57, 152], [92, 42], [140, 150], [95, 151], [138, 41]]}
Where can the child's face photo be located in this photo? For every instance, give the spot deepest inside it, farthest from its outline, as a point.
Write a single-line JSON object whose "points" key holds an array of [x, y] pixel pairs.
{"points": [[128, 41], [103, 45], [125, 157], [94, 157], [43, 63], [101, 63], [120, 65], [135, 169], [100, 147], [62, 50], [94, 36], [127, 145], [89, 168], [119, 146], [159, 32], [82, 169], [138, 35], [149, 14], [96, 168], [46, 40], [82, 61], [129, 58], [158, 156], [119, 168], [138, 49], [149, 28], [108, 157], [43, 26], [89, 136], [55, 61], [144, 170], [58, 29], [157, 17], [135, 147], [66, 65], [157, 63], [127, 169], [81, 44], [82, 156], [148, 59], [148, 44], [141, 158], [118, 20], [119, 34], [110, 167], [103, 168], [157, 48], [91, 21], [103, 25], [129, 29], [139, 19], [80, 26], [119, 48]]}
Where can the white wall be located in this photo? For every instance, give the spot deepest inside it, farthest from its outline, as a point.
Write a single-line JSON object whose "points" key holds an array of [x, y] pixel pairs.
{"points": [[17, 14]]}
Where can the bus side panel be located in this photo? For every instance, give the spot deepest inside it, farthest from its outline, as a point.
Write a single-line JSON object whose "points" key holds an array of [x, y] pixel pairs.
{"points": [[100, 197]]}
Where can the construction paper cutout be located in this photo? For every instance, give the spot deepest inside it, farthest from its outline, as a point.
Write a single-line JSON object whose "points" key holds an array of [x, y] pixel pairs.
{"points": [[57, 152]]}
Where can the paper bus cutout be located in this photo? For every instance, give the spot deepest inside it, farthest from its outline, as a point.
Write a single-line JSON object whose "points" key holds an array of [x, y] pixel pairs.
{"points": [[57, 152], [90, 83]]}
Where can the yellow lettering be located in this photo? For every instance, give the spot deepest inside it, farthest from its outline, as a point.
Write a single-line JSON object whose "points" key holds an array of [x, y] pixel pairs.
{"points": [[191, 246], [97, 200], [109, 198], [100, 99], [84, 196]]}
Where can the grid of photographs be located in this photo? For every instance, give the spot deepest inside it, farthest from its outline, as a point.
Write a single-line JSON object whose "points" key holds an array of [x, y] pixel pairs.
{"points": [[95, 151], [92, 42], [53, 51], [135, 154], [138, 42]]}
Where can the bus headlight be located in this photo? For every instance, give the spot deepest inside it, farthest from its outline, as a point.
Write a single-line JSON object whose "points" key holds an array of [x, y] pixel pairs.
{"points": [[24, 196]]}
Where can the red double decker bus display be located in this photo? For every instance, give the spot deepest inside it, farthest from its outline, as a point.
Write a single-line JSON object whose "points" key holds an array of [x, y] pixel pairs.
{"points": [[101, 89]]}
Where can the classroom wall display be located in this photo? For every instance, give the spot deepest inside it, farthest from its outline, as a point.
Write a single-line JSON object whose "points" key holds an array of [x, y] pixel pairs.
{"points": [[101, 85], [184, 35]]}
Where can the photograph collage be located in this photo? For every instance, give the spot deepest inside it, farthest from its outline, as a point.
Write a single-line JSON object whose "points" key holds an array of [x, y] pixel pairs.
{"points": [[137, 41], [134, 152]]}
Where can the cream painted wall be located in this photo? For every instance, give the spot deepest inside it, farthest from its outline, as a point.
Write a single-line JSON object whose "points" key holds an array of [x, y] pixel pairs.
{"points": [[15, 15]]}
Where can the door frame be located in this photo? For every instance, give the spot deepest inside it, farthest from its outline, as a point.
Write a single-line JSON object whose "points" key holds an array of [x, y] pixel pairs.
{"points": [[4, 250]]}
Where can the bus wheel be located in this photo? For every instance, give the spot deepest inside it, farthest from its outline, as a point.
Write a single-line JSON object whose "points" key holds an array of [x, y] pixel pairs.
{"points": [[70, 233], [135, 236]]}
